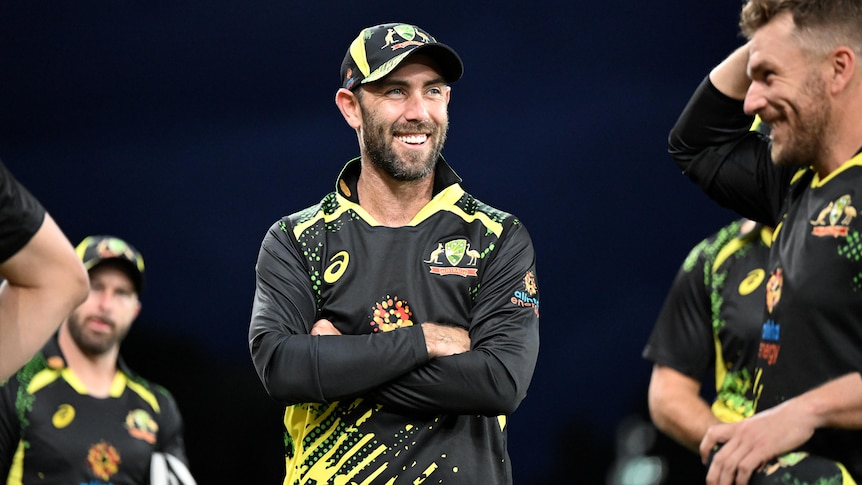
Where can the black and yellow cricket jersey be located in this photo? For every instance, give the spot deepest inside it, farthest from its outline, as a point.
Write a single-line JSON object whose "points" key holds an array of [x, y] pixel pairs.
{"points": [[811, 329], [368, 406], [711, 317], [52, 432]]}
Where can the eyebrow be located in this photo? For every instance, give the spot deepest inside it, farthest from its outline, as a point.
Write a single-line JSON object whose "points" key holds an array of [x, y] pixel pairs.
{"points": [[402, 82]]}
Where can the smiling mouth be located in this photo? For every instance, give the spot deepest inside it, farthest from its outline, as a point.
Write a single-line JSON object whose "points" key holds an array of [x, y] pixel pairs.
{"points": [[413, 139]]}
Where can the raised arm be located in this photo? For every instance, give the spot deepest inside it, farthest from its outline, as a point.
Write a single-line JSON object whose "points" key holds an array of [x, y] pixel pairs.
{"points": [[730, 76], [44, 282]]}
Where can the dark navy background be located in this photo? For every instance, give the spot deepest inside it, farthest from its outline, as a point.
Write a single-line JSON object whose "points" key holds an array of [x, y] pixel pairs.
{"points": [[188, 127]]}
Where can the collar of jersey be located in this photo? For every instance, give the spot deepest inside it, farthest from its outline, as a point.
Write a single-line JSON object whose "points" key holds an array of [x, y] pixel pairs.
{"points": [[853, 162], [444, 177]]}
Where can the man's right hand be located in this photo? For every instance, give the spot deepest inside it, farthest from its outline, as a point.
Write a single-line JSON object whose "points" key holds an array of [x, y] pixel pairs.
{"points": [[444, 340], [324, 327]]}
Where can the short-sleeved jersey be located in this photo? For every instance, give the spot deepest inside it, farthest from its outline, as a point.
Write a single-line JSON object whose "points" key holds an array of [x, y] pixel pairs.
{"points": [[53, 432], [811, 330], [711, 318], [398, 417], [21, 215]]}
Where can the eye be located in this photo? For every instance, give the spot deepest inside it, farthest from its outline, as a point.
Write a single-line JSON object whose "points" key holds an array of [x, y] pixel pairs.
{"points": [[395, 92]]}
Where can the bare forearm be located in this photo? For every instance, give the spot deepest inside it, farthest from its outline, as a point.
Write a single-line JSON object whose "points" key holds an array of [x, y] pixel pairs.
{"points": [[730, 76], [45, 281], [836, 404], [676, 407]]}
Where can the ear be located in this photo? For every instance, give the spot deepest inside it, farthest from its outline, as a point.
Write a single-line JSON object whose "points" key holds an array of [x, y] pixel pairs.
{"points": [[348, 104], [842, 62]]}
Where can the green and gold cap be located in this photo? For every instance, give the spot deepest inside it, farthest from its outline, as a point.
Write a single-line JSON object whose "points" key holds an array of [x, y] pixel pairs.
{"points": [[95, 250], [378, 50]]}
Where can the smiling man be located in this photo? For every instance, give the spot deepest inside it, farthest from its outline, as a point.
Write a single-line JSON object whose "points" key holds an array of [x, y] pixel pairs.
{"points": [[398, 318], [801, 73]]}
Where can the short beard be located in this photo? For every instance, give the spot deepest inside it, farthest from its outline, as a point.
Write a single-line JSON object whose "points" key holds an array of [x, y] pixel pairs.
{"points": [[805, 144], [382, 156], [90, 346]]}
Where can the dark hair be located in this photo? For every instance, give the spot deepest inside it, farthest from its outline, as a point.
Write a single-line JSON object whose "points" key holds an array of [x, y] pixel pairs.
{"points": [[822, 24]]}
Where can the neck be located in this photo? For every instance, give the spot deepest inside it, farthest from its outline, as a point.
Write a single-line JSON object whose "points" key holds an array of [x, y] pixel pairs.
{"points": [[846, 132], [392, 203], [97, 372]]}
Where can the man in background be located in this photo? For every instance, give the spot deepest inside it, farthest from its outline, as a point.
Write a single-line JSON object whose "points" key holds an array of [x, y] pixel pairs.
{"points": [[75, 413]]}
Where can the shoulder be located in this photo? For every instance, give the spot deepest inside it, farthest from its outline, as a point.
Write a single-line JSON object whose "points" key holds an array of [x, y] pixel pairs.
{"points": [[158, 397]]}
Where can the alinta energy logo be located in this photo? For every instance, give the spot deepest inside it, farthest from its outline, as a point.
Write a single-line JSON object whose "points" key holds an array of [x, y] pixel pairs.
{"points": [[454, 257], [833, 219], [528, 297], [770, 338]]}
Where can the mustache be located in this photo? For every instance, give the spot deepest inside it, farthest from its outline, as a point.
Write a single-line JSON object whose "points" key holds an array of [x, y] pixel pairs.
{"points": [[415, 127]]}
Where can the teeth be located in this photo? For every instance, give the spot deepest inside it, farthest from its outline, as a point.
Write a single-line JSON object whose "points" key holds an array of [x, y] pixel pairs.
{"points": [[413, 139]]}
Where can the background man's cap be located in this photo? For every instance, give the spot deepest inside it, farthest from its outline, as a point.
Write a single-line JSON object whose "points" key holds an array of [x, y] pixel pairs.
{"points": [[94, 250], [378, 50]]}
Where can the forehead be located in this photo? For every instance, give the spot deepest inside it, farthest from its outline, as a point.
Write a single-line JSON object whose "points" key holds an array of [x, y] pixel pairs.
{"points": [[775, 42]]}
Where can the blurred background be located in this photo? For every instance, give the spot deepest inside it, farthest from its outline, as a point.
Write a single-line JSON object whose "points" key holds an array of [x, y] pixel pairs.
{"points": [[188, 127]]}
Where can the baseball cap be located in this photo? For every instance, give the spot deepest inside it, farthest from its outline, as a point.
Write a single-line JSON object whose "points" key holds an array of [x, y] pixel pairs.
{"points": [[94, 250], [378, 50]]}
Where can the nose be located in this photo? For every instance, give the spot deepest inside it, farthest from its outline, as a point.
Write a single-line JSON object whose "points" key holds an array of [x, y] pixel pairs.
{"points": [[754, 99], [416, 109], [104, 299]]}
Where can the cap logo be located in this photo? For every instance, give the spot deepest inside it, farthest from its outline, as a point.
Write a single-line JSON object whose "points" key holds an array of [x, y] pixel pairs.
{"points": [[406, 32], [378, 50], [115, 248]]}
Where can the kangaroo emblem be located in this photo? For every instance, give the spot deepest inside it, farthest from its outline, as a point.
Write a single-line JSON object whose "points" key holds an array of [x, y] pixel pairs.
{"points": [[834, 211], [389, 39], [435, 254]]}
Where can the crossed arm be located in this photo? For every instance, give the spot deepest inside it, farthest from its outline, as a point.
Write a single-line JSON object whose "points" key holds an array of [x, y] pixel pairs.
{"points": [[430, 367]]}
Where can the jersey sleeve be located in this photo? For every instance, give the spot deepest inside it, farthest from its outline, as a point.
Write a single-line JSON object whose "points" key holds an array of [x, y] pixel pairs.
{"points": [[682, 337], [170, 435], [21, 215], [10, 428], [295, 366], [712, 142], [493, 377]]}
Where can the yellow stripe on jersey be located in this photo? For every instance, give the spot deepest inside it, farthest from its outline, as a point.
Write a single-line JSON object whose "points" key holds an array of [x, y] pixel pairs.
{"points": [[443, 201], [16, 472], [446, 200], [42, 379], [122, 381]]}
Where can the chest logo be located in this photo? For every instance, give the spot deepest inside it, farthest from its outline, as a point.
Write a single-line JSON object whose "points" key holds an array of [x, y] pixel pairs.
{"points": [[63, 416], [752, 281], [337, 267], [833, 219], [104, 460], [454, 257], [142, 426], [390, 314]]}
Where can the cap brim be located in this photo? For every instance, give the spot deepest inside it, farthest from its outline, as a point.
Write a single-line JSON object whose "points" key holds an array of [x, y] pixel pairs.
{"points": [[444, 56]]}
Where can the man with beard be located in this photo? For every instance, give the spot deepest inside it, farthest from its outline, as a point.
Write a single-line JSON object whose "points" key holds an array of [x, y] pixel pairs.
{"points": [[801, 72], [76, 413], [397, 319]]}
